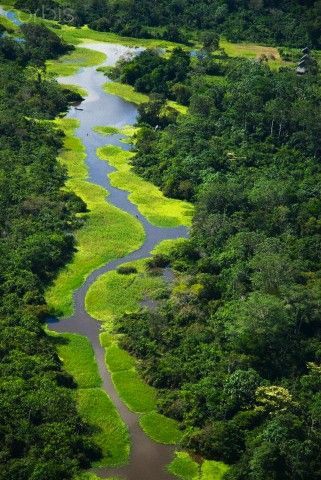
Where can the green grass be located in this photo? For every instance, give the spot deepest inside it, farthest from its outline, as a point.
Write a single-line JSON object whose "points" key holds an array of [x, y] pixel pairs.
{"points": [[114, 294], [135, 393], [70, 64], [126, 92], [9, 26], [165, 247], [211, 470], [106, 130], [185, 468], [108, 232], [75, 35], [178, 107], [75, 88], [160, 428], [109, 431], [117, 359], [78, 358], [151, 202]]}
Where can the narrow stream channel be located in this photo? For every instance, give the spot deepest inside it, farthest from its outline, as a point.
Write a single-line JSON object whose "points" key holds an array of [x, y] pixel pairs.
{"points": [[148, 459]]}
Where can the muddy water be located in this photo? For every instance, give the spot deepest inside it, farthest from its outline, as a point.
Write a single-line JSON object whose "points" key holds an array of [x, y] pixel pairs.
{"points": [[148, 459]]}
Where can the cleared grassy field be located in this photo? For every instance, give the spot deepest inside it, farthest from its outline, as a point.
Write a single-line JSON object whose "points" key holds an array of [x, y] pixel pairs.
{"points": [[70, 64], [127, 92], [78, 358], [151, 202], [110, 432], [185, 468], [114, 294], [108, 232]]}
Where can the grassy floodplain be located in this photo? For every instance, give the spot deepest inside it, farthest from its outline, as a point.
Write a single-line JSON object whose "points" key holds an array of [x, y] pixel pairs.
{"points": [[136, 394], [107, 130], [151, 202], [70, 63], [107, 233], [114, 294], [185, 468], [76, 89], [109, 431], [127, 92]]}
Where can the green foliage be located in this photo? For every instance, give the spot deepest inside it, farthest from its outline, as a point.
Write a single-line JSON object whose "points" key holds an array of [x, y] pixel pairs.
{"points": [[160, 428], [235, 350], [42, 435], [96, 244], [78, 358], [109, 430], [159, 210], [290, 22]]}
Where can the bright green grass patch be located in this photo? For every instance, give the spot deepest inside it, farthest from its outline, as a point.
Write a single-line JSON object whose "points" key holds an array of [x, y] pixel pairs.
{"points": [[106, 339], [114, 294], [160, 428], [118, 359], [8, 25], [126, 92], [184, 467], [108, 232], [69, 64], [166, 247], [151, 202], [76, 35], [75, 88], [106, 130], [110, 432], [136, 394], [78, 358], [212, 470], [178, 107]]}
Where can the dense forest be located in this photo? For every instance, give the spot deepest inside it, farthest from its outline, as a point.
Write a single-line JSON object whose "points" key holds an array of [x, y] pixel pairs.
{"points": [[235, 350], [291, 22], [42, 436]]}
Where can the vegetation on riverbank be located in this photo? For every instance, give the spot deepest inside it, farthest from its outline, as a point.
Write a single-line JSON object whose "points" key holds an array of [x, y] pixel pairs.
{"points": [[185, 468], [42, 434], [126, 92], [94, 405], [70, 63], [158, 209], [96, 244], [114, 293], [136, 394]]}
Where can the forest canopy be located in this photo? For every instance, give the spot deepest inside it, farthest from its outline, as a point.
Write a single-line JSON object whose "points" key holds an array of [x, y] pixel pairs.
{"points": [[235, 349], [290, 22]]}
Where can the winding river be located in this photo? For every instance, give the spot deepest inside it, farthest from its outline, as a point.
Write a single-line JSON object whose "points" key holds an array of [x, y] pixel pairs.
{"points": [[148, 459]]}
